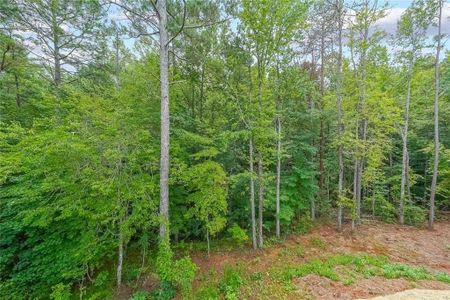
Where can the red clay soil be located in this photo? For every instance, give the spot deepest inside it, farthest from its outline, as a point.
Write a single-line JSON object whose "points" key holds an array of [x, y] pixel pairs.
{"points": [[410, 245]]}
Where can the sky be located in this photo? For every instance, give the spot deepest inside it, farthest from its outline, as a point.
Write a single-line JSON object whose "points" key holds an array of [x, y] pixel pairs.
{"points": [[397, 7]]}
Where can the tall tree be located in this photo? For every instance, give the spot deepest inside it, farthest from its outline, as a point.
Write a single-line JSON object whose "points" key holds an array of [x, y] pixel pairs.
{"points": [[339, 15], [165, 121], [411, 32], [62, 33], [361, 38], [440, 4]]}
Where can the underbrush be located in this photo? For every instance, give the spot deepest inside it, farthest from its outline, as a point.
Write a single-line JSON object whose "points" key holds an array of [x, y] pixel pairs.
{"points": [[346, 268]]}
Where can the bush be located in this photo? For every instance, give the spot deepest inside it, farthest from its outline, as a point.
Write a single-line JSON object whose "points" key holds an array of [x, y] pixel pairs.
{"points": [[60, 292], [304, 225], [208, 292], [183, 275], [165, 291], [231, 283], [238, 235], [140, 295], [317, 242], [385, 211], [164, 263], [414, 215], [401, 270]]}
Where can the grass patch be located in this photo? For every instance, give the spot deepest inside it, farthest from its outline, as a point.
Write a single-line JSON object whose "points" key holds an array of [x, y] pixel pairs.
{"points": [[346, 268], [443, 276], [317, 242], [391, 271]]}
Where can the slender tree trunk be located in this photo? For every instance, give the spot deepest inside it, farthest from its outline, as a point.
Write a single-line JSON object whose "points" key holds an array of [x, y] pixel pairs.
{"points": [[339, 110], [278, 177], [322, 135], [278, 104], [202, 86], [436, 120], [120, 260], [261, 201], [16, 81], [260, 161], [165, 121], [405, 160], [252, 194], [207, 241], [362, 131]]}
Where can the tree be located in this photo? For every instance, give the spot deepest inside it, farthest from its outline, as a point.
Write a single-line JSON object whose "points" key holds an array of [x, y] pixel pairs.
{"points": [[361, 39], [62, 32], [269, 28], [207, 181], [440, 4], [411, 33]]}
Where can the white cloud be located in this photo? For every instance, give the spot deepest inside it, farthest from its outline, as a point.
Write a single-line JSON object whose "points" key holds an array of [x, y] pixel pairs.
{"points": [[389, 22]]}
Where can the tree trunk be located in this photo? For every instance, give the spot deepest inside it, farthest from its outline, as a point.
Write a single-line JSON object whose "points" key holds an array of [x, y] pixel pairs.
{"points": [[252, 195], [436, 120], [405, 160], [120, 260], [261, 202], [339, 109], [322, 135], [165, 121], [278, 177], [278, 104], [207, 241]]}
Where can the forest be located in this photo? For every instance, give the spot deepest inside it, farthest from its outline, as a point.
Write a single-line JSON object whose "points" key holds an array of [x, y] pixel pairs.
{"points": [[223, 149]]}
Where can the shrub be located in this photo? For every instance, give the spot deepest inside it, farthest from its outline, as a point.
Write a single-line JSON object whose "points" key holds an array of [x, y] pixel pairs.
{"points": [[164, 263], [60, 292], [101, 279], [391, 271], [231, 283], [317, 242], [208, 292], [444, 277], [238, 235], [303, 226], [385, 211], [165, 291], [140, 295], [183, 275], [414, 215]]}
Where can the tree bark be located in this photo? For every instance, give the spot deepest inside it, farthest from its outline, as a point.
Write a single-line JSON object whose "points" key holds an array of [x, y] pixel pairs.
{"points": [[436, 120], [207, 241], [278, 186], [165, 121], [405, 160], [339, 110], [120, 260], [261, 202], [278, 177], [252, 195]]}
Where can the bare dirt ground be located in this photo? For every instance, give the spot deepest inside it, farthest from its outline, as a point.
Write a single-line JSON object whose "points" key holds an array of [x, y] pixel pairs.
{"points": [[403, 244]]}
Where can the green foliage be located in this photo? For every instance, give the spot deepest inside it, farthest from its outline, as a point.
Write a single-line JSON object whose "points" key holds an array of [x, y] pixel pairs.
{"points": [[443, 276], [60, 292], [164, 291], [317, 242], [414, 215], [385, 210], [140, 295], [238, 235], [391, 271], [208, 292], [183, 275], [164, 261], [231, 282], [304, 225]]}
